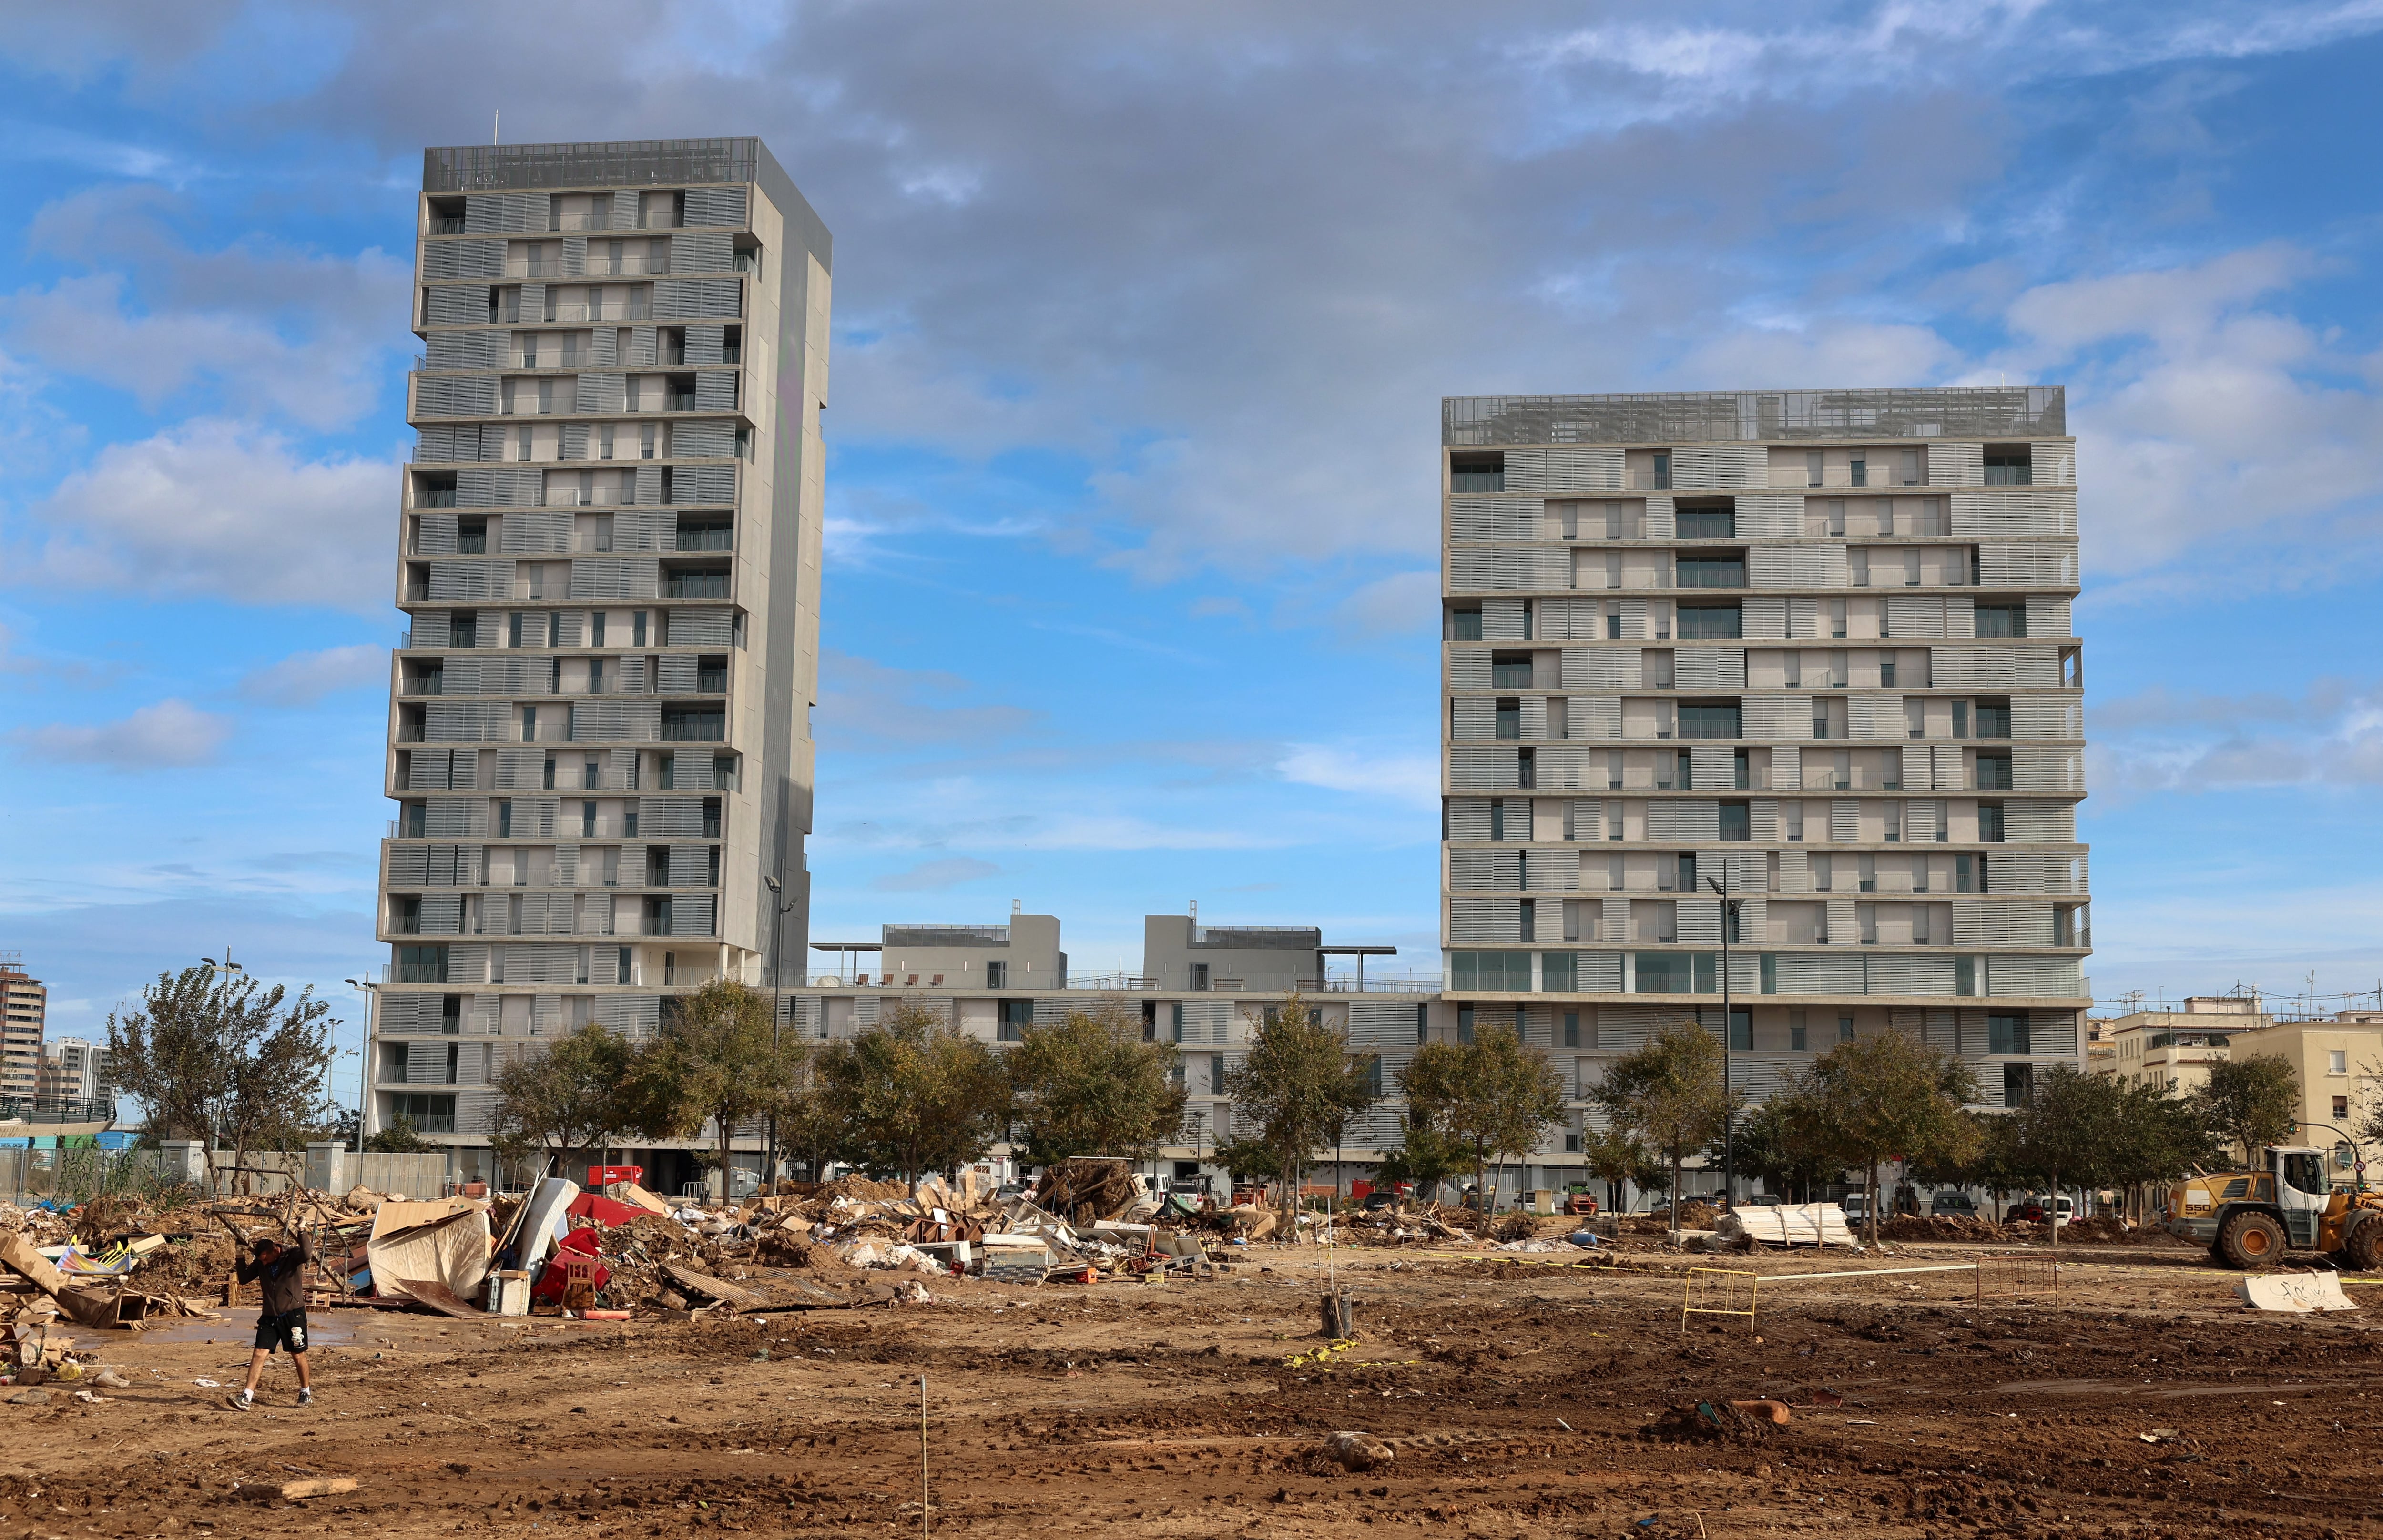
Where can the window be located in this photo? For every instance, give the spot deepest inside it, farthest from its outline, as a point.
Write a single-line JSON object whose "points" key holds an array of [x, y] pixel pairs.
{"points": [[2008, 1034], [1663, 470], [429, 1115], [1712, 572], [1571, 1021], [1492, 972], [2018, 1084], [1685, 865], [1613, 622], [1861, 471], [1741, 774], [1706, 524], [2341, 1106], [1423, 1022], [1526, 769], [1708, 622], [1994, 773], [1667, 972], [2337, 1061], [996, 976], [1990, 824], [1510, 670], [1558, 972], [1509, 717], [420, 964], [1476, 472], [1496, 818], [1796, 1040], [1016, 1017], [1528, 919], [694, 724], [1741, 1030], [1464, 625], [1464, 1024], [1995, 718], [1175, 1022], [1217, 1074], [1709, 720], [1999, 620], [2009, 468], [1844, 1029], [1736, 820]]}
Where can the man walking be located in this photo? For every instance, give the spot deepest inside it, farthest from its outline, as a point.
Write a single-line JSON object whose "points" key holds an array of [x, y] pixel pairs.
{"points": [[283, 1322]]}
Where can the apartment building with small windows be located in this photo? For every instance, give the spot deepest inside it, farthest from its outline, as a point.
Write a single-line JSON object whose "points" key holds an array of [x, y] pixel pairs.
{"points": [[600, 754], [24, 1015], [1812, 646]]}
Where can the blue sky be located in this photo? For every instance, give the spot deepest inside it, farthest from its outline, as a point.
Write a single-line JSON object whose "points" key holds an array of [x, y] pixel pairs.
{"points": [[1143, 317]]}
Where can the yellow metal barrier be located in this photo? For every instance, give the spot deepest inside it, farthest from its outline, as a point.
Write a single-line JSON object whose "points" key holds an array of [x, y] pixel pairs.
{"points": [[1718, 1291]]}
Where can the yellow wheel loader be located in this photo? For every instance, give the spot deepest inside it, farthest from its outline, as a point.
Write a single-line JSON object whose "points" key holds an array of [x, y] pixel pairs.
{"points": [[2249, 1219]]}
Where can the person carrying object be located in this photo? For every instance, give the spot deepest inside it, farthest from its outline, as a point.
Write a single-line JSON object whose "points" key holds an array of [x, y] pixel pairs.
{"points": [[282, 1270]]}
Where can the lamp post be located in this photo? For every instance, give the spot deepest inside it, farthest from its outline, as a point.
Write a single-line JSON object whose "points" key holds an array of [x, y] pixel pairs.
{"points": [[781, 902], [363, 1068], [1728, 1039]]}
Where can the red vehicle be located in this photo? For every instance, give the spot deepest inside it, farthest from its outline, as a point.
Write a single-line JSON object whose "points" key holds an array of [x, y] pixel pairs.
{"points": [[1580, 1204], [602, 1176]]}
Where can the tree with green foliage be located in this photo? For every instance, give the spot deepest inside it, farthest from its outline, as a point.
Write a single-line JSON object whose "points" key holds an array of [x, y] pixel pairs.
{"points": [[398, 1137], [1247, 1160], [564, 1095], [1865, 1102], [1668, 1094], [228, 1061], [2252, 1100], [2069, 1129], [1620, 1159], [1298, 1089], [718, 1060], [1492, 1097], [1766, 1147], [1087, 1084], [1424, 1158], [914, 1093]]}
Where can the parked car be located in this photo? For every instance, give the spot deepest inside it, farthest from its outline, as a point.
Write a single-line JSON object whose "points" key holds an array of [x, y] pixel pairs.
{"points": [[1857, 1207], [1955, 1204], [2032, 1209], [1759, 1201], [1377, 1202]]}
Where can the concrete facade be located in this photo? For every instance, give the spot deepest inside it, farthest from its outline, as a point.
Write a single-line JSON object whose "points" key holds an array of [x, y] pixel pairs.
{"points": [[609, 547], [1816, 644], [24, 1015]]}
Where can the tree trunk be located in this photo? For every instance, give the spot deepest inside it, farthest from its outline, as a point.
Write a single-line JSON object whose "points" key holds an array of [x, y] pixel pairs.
{"points": [[1480, 1198], [1676, 1199], [727, 1132], [1869, 1209], [2052, 1213]]}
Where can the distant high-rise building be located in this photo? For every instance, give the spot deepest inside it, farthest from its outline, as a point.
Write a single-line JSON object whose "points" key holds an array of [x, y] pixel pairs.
{"points": [[24, 1011], [73, 1070], [1814, 644], [599, 744]]}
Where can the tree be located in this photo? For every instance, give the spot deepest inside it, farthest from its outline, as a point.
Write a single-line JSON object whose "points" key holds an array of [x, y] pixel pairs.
{"points": [[2071, 1129], [570, 1094], [1492, 1096], [914, 1093], [227, 1060], [1299, 1087], [1668, 1094], [1767, 1147], [1617, 1157], [399, 1138], [1246, 1159], [1425, 1158], [2252, 1100], [1087, 1084], [1871, 1100], [714, 1061]]}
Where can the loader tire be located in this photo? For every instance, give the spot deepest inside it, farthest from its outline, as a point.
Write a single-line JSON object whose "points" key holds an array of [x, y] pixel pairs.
{"points": [[2365, 1250], [2251, 1242]]}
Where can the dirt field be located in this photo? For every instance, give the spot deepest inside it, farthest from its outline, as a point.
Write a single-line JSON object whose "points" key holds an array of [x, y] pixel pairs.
{"points": [[1513, 1395]]}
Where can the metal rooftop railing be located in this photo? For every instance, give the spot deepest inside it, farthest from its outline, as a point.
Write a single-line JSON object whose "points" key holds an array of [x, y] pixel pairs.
{"points": [[1661, 418], [623, 163]]}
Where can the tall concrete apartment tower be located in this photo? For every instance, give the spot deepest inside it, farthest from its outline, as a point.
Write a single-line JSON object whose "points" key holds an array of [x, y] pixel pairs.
{"points": [[599, 743], [1815, 643]]}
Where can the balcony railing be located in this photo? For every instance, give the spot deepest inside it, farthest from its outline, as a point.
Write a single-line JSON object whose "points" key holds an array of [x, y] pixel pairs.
{"points": [[627, 265]]}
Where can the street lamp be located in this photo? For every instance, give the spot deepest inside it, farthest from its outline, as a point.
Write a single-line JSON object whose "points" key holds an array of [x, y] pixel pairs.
{"points": [[1728, 1037], [777, 1008], [226, 966], [363, 1067]]}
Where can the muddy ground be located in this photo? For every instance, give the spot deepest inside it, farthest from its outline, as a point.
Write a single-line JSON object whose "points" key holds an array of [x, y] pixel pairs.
{"points": [[1513, 1395]]}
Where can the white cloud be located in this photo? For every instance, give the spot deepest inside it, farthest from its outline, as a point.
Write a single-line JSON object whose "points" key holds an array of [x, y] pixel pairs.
{"points": [[223, 510], [168, 735], [303, 678], [1403, 602], [864, 703], [1404, 777], [2161, 740]]}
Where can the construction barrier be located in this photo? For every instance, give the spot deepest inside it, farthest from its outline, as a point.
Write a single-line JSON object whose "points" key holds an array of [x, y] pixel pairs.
{"points": [[1719, 1291], [2008, 1277]]}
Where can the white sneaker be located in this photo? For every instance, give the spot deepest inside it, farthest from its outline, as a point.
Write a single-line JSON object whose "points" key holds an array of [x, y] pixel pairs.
{"points": [[306, 1396], [245, 1400]]}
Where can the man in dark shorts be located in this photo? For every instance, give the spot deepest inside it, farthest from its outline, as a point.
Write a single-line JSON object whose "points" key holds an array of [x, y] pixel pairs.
{"points": [[283, 1322]]}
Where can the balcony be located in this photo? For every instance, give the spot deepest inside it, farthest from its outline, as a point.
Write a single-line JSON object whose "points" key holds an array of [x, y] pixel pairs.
{"points": [[1875, 476], [627, 265]]}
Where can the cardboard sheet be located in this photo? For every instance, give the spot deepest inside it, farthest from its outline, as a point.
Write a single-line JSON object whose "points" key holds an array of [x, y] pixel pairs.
{"points": [[444, 1243]]}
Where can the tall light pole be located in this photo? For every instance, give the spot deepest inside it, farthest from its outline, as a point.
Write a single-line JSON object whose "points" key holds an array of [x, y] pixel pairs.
{"points": [[1728, 1039], [363, 1067], [779, 901]]}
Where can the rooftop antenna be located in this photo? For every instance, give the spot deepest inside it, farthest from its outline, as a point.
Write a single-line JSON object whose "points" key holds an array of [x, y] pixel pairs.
{"points": [[1195, 911], [1016, 905]]}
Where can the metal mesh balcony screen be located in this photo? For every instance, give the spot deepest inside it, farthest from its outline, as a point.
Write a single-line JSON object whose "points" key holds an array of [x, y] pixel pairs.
{"points": [[625, 163], [2014, 412]]}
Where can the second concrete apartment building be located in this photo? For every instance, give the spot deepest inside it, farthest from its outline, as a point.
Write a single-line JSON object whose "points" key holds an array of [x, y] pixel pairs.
{"points": [[1815, 644]]}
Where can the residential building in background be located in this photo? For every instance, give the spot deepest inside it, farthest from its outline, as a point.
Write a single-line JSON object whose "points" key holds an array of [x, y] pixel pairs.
{"points": [[2340, 1063], [2173, 1050], [74, 1076], [1815, 645], [24, 1011], [600, 751]]}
